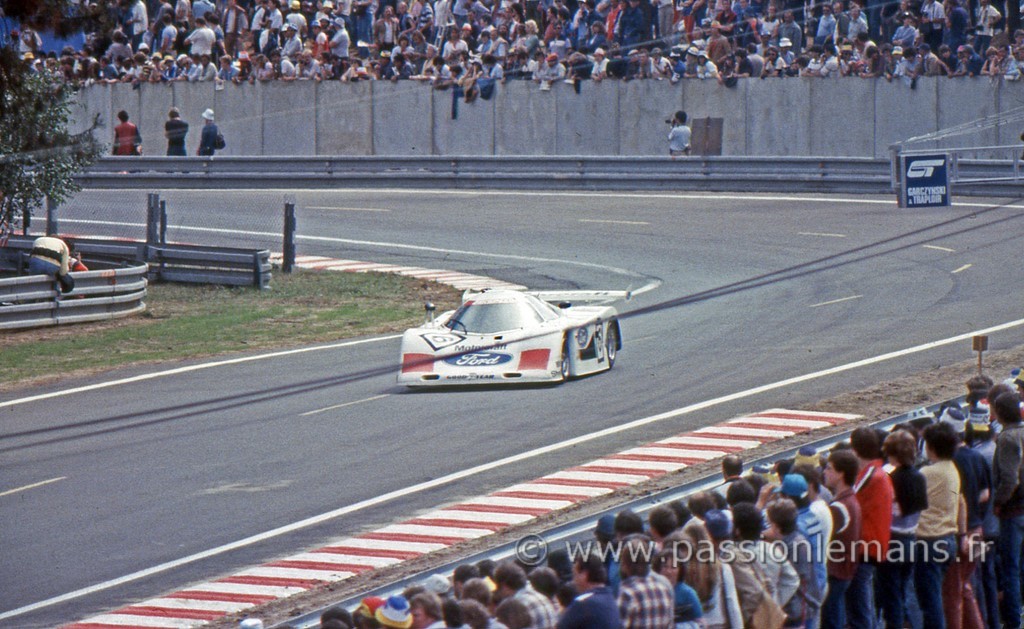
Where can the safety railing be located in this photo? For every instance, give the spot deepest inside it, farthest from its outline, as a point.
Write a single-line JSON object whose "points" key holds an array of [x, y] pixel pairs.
{"points": [[566, 172], [193, 264], [35, 300]]}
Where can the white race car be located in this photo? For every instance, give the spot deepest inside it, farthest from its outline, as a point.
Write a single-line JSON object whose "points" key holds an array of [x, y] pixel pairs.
{"points": [[506, 336]]}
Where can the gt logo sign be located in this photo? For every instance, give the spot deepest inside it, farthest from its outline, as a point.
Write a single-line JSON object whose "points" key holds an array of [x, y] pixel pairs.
{"points": [[924, 168], [925, 181]]}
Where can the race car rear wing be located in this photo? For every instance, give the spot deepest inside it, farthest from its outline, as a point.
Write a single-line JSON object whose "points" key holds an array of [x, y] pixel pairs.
{"points": [[583, 296], [573, 296]]}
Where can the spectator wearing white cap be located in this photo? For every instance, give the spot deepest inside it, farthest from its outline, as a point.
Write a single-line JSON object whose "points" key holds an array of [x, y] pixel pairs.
{"points": [[291, 43], [211, 140], [705, 68]]}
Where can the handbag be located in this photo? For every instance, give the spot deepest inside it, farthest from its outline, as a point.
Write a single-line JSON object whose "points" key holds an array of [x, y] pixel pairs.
{"points": [[769, 614]]}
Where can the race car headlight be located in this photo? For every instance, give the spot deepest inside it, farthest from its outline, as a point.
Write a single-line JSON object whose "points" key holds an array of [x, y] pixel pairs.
{"points": [[582, 337]]}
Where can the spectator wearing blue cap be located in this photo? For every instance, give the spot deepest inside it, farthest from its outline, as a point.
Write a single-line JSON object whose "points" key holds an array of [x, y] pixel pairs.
{"points": [[794, 486], [818, 496], [394, 613], [840, 474], [604, 533]]}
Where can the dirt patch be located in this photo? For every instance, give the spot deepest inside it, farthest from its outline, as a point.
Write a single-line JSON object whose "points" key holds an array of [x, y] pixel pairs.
{"points": [[875, 403]]}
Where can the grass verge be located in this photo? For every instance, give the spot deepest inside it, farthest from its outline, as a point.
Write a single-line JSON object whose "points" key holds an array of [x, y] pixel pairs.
{"points": [[185, 321]]}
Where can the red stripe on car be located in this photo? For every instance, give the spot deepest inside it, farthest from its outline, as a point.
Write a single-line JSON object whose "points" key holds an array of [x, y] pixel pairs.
{"points": [[534, 359], [412, 363]]}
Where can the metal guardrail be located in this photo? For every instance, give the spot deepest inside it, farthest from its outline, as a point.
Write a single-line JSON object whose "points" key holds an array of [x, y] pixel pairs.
{"points": [[571, 172], [194, 264], [761, 174], [583, 527], [35, 301], [210, 265]]}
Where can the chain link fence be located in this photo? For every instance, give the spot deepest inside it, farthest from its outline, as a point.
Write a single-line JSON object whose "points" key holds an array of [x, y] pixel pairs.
{"points": [[252, 219]]}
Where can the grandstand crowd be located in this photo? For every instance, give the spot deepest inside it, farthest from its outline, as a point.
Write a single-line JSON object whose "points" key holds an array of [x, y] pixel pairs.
{"points": [[917, 526], [472, 44]]}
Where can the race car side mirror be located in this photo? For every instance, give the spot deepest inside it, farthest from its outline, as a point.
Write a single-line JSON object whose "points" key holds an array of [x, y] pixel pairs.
{"points": [[564, 304], [429, 308]]}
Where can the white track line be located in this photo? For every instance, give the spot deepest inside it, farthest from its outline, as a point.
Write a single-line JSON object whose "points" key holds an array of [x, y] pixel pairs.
{"points": [[836, 301], [180, 370], [651, 283], [886, 200]]}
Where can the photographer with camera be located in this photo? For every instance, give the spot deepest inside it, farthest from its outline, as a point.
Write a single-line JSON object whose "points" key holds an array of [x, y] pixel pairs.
{"points": [[679, 136]]}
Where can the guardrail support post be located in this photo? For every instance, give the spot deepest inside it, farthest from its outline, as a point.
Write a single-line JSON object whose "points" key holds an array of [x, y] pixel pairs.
{"points": [[894, 167], [288, 250], [163, 222], [51, 217], [153, 219]]}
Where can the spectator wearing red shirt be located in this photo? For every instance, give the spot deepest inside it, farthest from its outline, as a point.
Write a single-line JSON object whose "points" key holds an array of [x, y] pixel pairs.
{"points": [[127, 140], [875, 494]]}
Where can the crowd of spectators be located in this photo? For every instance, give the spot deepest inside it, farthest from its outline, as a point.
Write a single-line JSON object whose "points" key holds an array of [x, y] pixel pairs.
{"points": [[918, 526], [472, 44]]}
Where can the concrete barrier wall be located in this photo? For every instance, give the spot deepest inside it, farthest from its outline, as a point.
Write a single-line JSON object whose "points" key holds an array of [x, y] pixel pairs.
{"points": [[799, 117]]}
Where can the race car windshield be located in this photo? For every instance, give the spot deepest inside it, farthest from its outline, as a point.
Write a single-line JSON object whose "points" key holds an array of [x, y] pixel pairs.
{"points": [[490, 318]]}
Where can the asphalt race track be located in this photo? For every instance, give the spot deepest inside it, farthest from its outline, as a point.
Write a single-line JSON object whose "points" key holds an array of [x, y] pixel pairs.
{"points": [[735, 292]]}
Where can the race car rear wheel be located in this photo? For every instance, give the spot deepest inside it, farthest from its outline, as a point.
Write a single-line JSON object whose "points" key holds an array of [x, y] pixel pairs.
{"points": [[611, 347], [565, 359]]}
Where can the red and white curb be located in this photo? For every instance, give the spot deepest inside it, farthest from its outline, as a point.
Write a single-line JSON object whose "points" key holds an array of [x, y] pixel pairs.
{"points": [[456, 279], [445, 527]]}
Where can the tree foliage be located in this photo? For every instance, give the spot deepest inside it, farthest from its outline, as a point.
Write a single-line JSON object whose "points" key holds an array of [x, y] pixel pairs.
{"points": [[39, 156]]}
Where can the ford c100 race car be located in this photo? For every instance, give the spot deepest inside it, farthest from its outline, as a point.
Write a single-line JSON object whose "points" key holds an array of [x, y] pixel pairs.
{"points": [[508, 336]]}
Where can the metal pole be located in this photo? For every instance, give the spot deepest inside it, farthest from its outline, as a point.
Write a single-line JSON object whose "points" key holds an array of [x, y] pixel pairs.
{"points": [[289, 238], [152, 219], [51, 217], [163, 222]]}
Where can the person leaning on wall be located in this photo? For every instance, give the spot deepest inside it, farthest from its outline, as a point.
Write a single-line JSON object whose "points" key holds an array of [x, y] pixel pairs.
{"points": [[51, 256]]}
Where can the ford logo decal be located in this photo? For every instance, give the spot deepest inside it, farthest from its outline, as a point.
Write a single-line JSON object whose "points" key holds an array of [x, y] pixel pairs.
{"points": [[479, 359]]}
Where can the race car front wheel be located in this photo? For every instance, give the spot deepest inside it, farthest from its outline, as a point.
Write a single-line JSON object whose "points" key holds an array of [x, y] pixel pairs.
{"points": [[611, 344], [565, 359]]}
